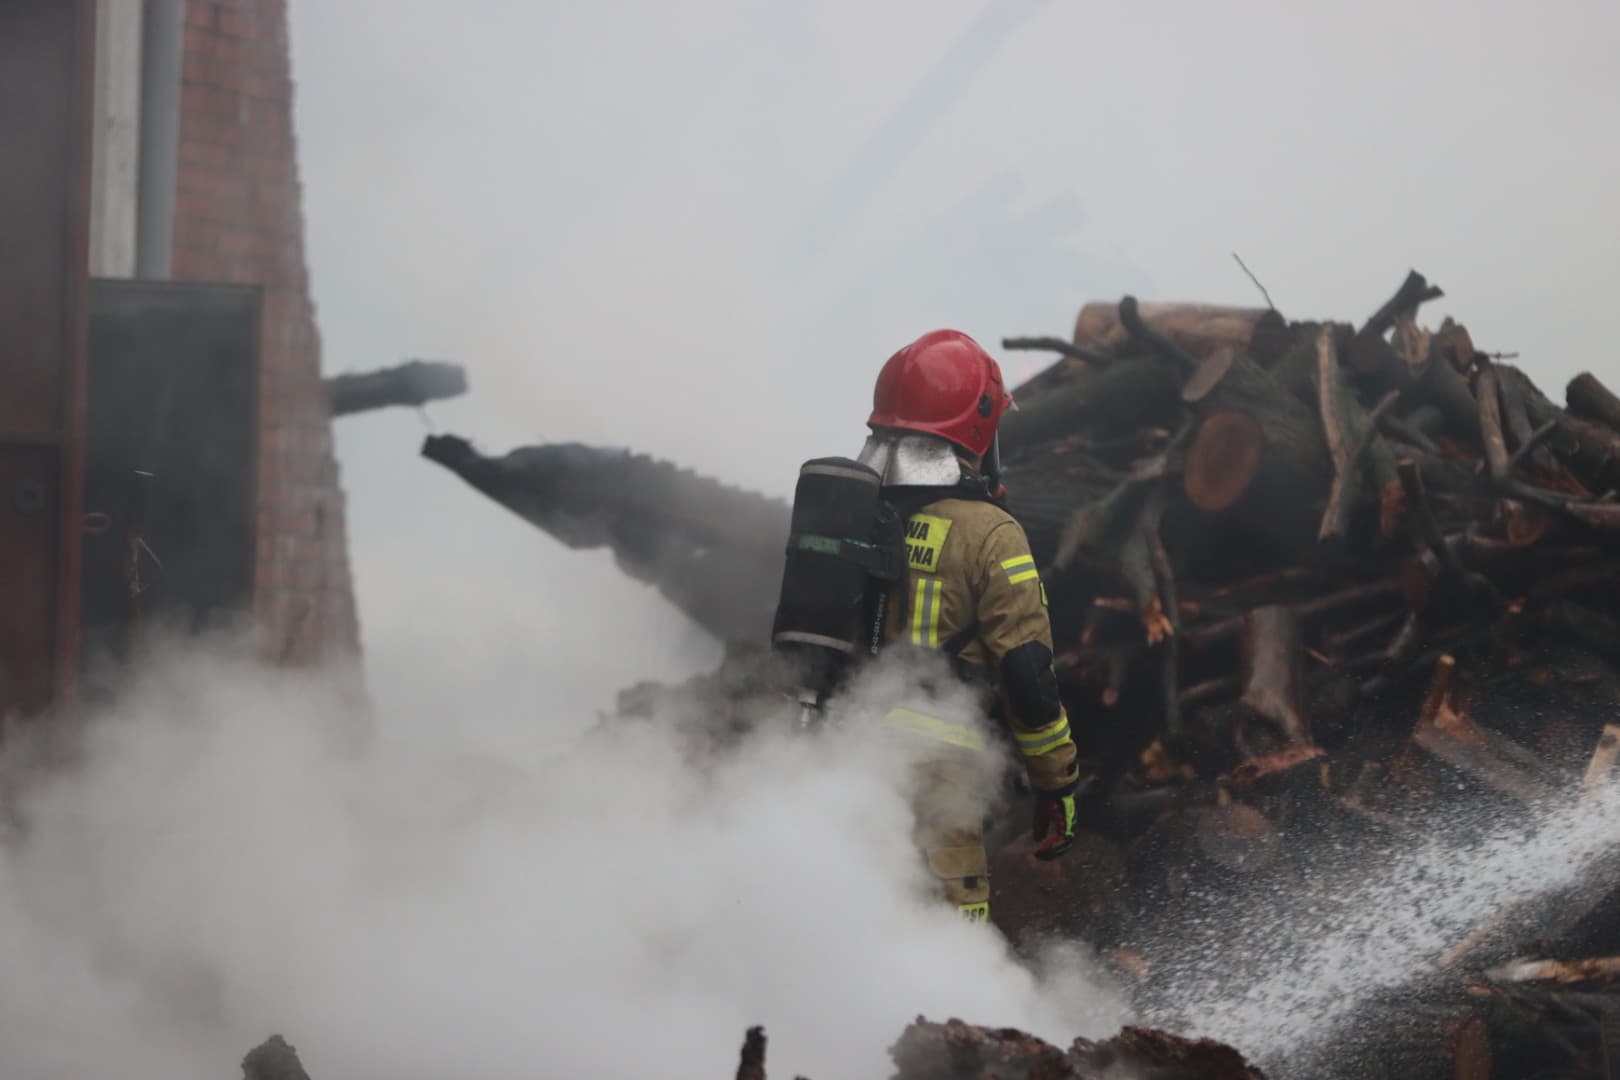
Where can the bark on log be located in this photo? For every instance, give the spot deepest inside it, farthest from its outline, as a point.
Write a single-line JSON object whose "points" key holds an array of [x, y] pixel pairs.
{"points": [[1346, 474], [1489, 407], [1201, 329], [1273, 669], [1427, 420], [1598, 631], [1115, 533], [1295, 370], [413, 383], [1443, 387], [1345, 641], [1211, 690], [1044, 489], [1352, 436], [1373, 592], [1591, 400], [1591, 451], [1600, 517], [1298, 372], [1527, 440], [1164, 575], [1139, 391]]}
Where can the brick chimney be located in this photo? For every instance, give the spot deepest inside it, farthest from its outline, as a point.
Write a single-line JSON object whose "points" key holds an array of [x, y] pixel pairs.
{"points": [[239, 219]]}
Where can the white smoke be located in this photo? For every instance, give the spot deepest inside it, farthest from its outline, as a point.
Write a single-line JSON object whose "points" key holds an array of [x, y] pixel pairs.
{"points": [[224, 860]]}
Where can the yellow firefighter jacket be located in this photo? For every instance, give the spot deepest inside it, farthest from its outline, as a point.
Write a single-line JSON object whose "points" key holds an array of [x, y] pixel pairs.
{"points": [[971, 583]]}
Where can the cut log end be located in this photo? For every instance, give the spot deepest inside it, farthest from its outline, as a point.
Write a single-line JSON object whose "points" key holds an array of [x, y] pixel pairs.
{"points": [[1223, 459], [1526, 525]]}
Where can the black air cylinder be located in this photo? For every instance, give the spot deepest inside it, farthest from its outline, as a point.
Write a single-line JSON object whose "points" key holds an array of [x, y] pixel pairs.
{"points": [[833, 551]]}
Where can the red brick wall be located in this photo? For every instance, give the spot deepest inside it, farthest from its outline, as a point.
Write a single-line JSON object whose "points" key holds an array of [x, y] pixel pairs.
{"points": [[239, 218]]}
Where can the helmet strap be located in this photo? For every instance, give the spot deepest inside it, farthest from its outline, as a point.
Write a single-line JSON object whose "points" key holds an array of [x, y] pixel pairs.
{"points": [[992, 464]]}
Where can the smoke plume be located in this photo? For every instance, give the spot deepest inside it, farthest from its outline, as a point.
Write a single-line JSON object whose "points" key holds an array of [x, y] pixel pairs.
{"points": [[233, 852]]}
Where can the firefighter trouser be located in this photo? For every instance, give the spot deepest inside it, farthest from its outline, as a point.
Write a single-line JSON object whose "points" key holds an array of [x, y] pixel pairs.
{"points": [[948, 805]]}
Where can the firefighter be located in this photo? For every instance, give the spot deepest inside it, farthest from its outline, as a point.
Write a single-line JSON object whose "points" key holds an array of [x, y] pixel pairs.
{"points": [[971, 598]]}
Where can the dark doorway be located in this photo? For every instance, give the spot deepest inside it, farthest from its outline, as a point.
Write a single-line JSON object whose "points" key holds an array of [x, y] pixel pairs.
{"points": [[171, 447]]}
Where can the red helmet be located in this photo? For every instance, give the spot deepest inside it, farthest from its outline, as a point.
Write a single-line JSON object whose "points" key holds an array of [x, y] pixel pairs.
{"points": [[942, 384]]}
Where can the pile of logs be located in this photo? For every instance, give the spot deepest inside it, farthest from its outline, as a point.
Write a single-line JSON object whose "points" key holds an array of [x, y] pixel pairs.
{"points": [[1264, 513], [1322, 584]]}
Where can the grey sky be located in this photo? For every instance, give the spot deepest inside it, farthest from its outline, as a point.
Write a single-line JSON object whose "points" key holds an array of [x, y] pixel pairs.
{"points": [[592, 207]]}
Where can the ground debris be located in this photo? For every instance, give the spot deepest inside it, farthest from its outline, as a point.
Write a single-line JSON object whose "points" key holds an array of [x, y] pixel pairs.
{"points": [[959, 1051]]}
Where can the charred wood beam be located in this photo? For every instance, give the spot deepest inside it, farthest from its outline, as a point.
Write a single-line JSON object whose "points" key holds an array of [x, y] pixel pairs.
{"points": [[413, 383], [711, 549]]}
